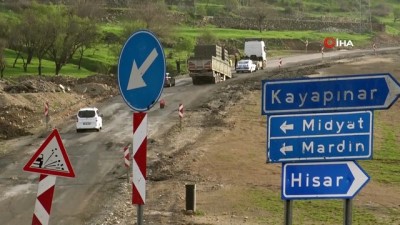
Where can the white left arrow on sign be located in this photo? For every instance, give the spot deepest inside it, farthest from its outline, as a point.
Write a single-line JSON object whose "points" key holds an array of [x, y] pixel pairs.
{"points": [[285, 148], [136, 77], [284, 127]]}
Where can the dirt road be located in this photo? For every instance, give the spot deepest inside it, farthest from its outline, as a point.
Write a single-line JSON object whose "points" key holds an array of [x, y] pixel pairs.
{"points": [[222, 149]]}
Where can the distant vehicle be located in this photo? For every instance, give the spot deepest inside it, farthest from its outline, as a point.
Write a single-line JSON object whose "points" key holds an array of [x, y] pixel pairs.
{"points": [[210, 64], [169, 81], [245, 65], [255, 49], [89, 118]]}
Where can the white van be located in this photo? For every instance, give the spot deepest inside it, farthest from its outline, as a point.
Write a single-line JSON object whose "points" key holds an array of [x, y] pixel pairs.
{"points": [[89, 118]]}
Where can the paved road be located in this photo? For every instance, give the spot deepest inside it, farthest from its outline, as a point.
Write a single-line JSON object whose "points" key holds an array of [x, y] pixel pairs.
{"points": [[97, 157]]}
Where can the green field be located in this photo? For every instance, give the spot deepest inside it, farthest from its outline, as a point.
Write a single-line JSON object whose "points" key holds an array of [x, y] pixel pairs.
{"points": [[99, 59], [103, 58]]}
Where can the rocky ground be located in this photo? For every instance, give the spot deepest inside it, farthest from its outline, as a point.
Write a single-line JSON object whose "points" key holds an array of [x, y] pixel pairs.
{"points": [[221, 149], [22, 100]]}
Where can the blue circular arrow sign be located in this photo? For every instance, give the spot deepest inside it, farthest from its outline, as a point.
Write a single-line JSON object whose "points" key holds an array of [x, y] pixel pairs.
{"points": [[141, 71]]}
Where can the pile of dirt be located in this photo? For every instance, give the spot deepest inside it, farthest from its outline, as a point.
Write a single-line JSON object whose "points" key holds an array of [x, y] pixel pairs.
{"points": [[22, 100]]}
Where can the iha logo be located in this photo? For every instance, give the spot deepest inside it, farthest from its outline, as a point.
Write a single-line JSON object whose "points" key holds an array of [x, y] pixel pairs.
{"points": [[331, 42]]}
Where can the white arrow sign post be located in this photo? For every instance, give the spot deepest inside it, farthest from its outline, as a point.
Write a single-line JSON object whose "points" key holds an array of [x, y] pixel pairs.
{"points": [[141, 77]]}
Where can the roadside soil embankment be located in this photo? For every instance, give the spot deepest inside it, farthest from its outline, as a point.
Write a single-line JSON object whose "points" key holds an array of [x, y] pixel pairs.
{"points": [[222, 149]]}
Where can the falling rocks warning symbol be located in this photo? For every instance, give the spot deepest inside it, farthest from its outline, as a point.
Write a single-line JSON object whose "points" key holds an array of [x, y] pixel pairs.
{"points": [[51, 158]]}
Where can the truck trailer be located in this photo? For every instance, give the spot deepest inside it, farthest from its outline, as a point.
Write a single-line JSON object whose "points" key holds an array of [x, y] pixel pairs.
{"points": [[210, 64]]}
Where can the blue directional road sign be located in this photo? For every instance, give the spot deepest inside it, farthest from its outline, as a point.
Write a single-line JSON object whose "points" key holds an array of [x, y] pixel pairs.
{"points": [[343, 93], [323, 136], [341, 179], [141, 71]]}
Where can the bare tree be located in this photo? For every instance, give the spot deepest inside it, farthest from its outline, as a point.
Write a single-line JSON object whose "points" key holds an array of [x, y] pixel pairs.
{"points": [[154, 15], [259, 11], [92, 9]]}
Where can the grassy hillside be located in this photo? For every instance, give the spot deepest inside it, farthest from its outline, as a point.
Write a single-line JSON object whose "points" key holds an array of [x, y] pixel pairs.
{"points": [[103, 58]]}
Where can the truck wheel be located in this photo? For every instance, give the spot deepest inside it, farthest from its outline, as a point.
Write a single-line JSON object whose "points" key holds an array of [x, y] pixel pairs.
{"points": [[218, 77], [215, 79]]}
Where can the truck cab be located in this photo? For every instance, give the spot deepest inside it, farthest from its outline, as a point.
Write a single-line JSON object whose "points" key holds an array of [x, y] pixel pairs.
{"points": [[255, 50]]}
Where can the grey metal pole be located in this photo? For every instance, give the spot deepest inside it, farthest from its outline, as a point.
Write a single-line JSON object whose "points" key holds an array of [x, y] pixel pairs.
{"points": [[348, 211], [140, 215], [288, 212]]}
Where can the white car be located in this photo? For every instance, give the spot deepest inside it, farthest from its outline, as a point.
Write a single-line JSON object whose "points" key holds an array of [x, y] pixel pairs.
{"points": [[245, 65], [89, 118]]}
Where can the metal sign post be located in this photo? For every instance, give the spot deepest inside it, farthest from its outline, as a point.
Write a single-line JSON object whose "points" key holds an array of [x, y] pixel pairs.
{"points": [[348, 212], [312, 146], [288, 212], [141, 76], [50, 160], [139, 153]]}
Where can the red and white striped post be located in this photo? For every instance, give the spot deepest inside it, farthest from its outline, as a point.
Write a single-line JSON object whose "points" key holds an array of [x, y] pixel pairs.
{"points": [[306, 45], [139, 153], [374, 47], [180, 111], [322, 51], [127, 160], [44, 200], [46, 113]]}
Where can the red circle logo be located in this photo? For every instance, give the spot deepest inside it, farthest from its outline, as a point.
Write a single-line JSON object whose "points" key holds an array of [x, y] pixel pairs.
{"points": [[329, 42]]}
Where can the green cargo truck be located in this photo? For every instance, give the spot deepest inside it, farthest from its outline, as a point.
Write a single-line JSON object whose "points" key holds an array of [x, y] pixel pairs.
{"points": [[210, 64]]}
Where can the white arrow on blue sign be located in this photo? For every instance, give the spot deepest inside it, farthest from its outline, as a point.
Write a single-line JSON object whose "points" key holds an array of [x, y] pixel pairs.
{"points": [[320, 136], [322, 180], [342, 93], [141, 71]]}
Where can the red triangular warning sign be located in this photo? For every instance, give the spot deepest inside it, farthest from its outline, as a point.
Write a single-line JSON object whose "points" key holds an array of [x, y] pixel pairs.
{"points": [[51, 158]]}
